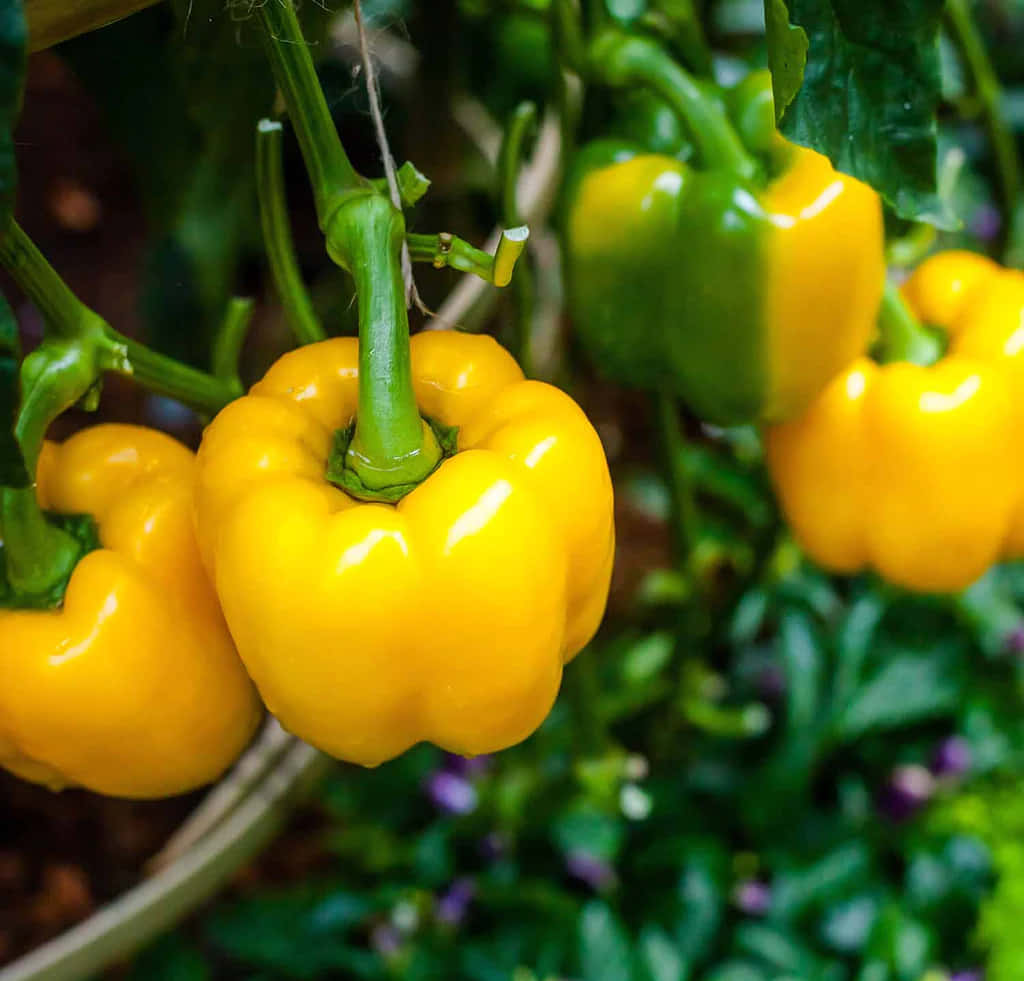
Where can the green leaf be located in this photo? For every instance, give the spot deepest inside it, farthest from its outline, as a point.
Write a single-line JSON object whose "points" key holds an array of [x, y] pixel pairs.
{"points": [[907, 689], [660, 959], [604, 949], [869, 93], [787, 54], [13, 472]]}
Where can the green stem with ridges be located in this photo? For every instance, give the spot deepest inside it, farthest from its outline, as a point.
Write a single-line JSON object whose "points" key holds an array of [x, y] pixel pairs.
{"points": [[277, 236], [392, 445], [330, 172]]}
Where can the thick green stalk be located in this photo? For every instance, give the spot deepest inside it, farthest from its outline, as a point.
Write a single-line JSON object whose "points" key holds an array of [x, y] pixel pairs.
{"points": [[277, 236], [65, 314], [392, 445], [330, 171], [904, 338], [103, 348], [622, 60]]}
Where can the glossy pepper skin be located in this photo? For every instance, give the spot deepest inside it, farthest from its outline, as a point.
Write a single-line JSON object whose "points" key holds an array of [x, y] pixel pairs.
{"points": [[447, 617], [132, 687], [742, 300], [915, 471]]}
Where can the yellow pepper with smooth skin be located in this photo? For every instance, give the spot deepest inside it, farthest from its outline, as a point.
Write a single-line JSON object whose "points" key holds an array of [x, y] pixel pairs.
{"points": [[133, 687], [916, 471], [447, 617]]}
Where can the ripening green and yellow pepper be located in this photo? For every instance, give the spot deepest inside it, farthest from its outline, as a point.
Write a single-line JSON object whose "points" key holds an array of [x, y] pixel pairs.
{"points": [[742, 297], [446, 617], [131, 687], [915, 470]]}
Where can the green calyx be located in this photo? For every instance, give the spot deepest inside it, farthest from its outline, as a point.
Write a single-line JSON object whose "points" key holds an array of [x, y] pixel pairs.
{"points": [[341, 473], [40, 583]]}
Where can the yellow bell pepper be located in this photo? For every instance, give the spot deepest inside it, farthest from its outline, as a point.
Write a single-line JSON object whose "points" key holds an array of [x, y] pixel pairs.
{"points": [[915, 471], [369, 627], [133, 687]]}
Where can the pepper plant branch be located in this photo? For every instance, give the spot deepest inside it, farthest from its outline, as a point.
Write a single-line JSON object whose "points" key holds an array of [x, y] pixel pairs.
{"points": [[100, 348], [621, 60], [412, 295], [445, 249], [521, 126], [986, 82], [277, 236], [227, 344], [330, 171]]}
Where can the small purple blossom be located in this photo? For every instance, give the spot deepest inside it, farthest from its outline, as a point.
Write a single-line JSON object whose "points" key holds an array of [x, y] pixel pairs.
{"points": [[452, 906], [451, 793], [469, 767], [908, 789], [752, 897], [975, 975], [952, 758], [588, 868], [385, 939]]}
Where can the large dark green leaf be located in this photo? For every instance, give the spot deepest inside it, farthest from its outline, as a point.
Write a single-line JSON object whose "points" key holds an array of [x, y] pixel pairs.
{"points": [[867, 94], [13, 38]]}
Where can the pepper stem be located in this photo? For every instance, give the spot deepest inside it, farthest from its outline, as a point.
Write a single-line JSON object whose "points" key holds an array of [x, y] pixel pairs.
{"points": [[622, 60], [330, 171], [392, 444], [904, 337]]}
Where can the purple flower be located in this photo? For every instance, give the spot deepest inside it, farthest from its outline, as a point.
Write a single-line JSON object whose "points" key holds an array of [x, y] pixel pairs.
{"points": [[952, 758], [588, 868], [452, 906], [451, 793], [752, 897], [908, 789], [975, 975], [467, 766]]}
